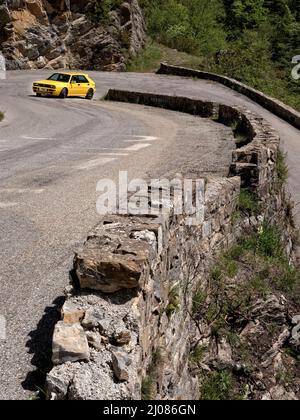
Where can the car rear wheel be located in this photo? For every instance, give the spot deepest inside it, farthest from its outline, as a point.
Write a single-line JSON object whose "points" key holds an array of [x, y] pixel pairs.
{"points": [[38, 95], [90, 94], [64, 93]]}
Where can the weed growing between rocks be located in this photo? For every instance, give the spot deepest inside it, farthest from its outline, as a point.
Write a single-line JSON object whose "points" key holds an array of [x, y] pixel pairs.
{"points": [[149, 382], [173, 305], [248, 205], [246, 351], [222, 385]]}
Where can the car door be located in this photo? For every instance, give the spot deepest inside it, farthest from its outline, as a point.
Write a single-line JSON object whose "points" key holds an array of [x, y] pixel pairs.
{"points": [[74, 86], [83, 85]]}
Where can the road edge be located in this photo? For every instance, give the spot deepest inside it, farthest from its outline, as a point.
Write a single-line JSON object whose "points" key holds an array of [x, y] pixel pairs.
{"points": [[277, 107]]}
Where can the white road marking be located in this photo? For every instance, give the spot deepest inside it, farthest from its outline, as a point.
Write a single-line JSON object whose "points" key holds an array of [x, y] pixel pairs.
{"points": [[137, 147], [98, 150], [6, 205], [116, 154], [21, 190], [146, 138], [142, 138], [37, 138], [95, 162]]}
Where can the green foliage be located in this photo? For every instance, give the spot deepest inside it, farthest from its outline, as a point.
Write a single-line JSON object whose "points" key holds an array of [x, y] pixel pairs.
{"points": [[149, 382], [267, 243], [198, 354], [248, 202], [221, 385], [250, 40], [173, 305], [199, 299], [243, 15], [148, 60], [268, 270], [99, 10], [147, 388], [187, 25]]}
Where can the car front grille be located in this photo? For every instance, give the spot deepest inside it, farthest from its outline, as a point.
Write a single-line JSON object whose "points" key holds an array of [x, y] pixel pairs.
{"points": [[44, 86]]}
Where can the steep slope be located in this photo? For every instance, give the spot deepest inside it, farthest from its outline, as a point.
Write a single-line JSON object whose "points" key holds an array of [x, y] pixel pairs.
{"points": [[96, 34]]}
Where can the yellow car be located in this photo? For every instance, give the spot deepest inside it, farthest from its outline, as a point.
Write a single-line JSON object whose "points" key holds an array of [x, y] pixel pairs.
{"points": [[63, 85]]}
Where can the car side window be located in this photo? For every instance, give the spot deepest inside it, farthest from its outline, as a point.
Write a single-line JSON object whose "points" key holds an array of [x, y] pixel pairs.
{"points": [[74, 79], [82, 79]]}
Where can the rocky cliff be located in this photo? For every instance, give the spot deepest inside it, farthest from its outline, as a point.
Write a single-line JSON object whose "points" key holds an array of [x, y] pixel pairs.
{"points": [[96, 34]]}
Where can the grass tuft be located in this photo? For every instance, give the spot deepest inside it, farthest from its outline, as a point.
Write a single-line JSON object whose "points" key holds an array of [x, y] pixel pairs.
{"points": [[221, 385], [149, 382], [248, 202]]}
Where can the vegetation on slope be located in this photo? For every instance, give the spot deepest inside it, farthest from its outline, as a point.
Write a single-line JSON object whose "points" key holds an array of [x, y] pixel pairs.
{"points": [[253, 41], [241, 306]]}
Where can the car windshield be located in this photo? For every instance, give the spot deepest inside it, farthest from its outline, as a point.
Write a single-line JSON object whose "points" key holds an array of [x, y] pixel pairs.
{"points": [[59, 77]]}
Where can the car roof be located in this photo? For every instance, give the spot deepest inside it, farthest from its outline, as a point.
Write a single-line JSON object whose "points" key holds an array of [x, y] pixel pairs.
{"points": [[72, 73]]}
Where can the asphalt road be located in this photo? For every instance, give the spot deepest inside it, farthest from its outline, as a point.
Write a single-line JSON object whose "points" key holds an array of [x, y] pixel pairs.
{"points": [[52, 153]]}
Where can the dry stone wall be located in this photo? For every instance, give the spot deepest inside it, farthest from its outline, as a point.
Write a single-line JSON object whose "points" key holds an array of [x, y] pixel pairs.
{"points": [[126, 329], [275, 106]]}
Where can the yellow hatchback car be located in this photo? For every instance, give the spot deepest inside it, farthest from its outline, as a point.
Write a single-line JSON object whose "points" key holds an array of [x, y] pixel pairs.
{"points": [[63, 85]]}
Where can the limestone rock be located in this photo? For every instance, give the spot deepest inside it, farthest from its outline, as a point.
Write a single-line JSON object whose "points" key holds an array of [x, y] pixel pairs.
{"points": [[107, 325], [279, 393], [121, 362], [123, 337], [52, 30], [295, 338], [94, 339], [224, 353], [112, 260], [71, 314], [108, 274], [69, 344], [93, 318], [271, 309], [58, 381], [146, 236]]}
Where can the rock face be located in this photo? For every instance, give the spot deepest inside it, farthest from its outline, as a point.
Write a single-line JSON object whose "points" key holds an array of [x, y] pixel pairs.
{"points": [[36, 34]]}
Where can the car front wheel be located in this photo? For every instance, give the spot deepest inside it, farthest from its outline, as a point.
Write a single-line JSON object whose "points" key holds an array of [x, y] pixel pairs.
{"points": [[64, 93], [90, 94]]}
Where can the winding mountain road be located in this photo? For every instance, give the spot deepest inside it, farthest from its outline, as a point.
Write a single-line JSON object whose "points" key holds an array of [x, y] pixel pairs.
{"points": [[52, 153]]}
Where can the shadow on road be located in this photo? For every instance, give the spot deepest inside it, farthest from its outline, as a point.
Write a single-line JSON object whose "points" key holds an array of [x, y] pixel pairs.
{"points": [[55, 97], [40, 344]]}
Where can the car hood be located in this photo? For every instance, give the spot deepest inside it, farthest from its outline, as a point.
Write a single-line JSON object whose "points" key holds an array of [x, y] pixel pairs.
{"points": [[50, 82]]}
